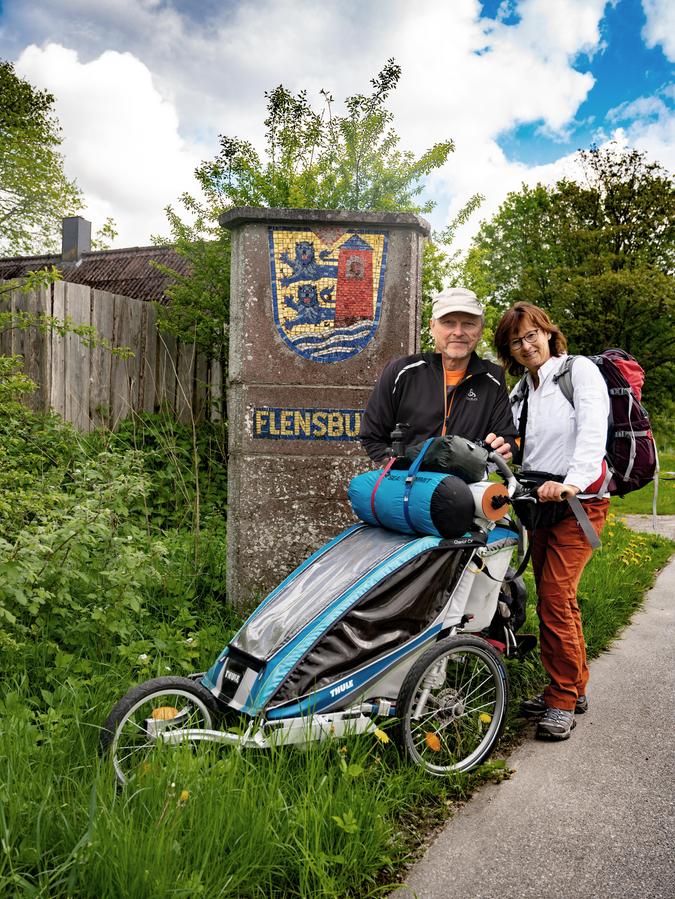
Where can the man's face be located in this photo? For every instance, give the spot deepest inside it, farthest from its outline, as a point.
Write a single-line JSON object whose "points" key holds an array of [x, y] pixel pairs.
{"points": [[456, 336]]}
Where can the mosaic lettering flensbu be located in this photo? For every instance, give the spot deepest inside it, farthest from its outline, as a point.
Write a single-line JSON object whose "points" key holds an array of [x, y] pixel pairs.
{"points": [[269, 423], [327, 288]]}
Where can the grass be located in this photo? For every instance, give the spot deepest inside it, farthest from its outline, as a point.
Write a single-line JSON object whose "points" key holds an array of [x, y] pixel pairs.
{"points": [[640, 502], [340, 819]]}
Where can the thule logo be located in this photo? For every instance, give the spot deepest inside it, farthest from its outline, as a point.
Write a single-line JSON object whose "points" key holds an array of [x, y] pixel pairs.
{"points": [[342, 688], [471, 395], [230, 675]]}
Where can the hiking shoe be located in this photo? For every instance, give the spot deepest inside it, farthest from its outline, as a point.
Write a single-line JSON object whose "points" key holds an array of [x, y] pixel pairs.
{"points": [[556, 724], [532, 708]]}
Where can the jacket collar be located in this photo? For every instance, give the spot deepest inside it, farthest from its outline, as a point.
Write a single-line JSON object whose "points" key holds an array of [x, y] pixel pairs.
{"points": [[476, 365]]}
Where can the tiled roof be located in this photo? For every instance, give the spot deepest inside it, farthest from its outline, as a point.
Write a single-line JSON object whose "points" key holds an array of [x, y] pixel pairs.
{"points": [[127, 272]]}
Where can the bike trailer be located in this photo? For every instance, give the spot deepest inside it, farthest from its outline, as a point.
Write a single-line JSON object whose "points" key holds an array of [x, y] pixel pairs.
{"points": [[346, 623]]}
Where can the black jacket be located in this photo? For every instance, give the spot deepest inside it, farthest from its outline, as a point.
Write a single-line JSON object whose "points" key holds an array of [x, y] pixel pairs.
{"points": [[411, 391]]}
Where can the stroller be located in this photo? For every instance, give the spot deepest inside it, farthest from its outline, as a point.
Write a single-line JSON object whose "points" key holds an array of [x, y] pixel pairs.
{"points": [[377, 624]]}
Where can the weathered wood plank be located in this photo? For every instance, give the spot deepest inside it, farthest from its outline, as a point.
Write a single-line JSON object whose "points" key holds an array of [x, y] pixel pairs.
{"points": [[37, 353], [125, 372], [148, 368], [57, 387], [5, 332], [78, 357], [166, 372], [215, 390], [184, 376], [102, 319], [200, 388]]}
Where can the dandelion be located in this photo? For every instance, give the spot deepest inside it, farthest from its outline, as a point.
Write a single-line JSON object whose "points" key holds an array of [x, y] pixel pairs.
{"points": [[485, 718], [381, 736], [184, 796]]}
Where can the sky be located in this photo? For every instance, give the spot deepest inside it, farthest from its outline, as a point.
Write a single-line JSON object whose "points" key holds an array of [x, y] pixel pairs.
{"points": [[144, 88]]}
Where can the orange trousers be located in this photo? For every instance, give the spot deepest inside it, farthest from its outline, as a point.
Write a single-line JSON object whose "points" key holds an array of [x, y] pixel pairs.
{"points": [[559, 556]]}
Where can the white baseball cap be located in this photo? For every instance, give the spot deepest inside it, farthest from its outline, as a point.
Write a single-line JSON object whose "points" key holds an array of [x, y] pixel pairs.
{"points": [[455, 299]]}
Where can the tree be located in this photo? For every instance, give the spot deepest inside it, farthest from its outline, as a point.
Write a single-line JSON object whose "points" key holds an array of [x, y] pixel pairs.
{"points": [[598, 255], [312, 159], [442, 266], [322, 160], [35, 193]]}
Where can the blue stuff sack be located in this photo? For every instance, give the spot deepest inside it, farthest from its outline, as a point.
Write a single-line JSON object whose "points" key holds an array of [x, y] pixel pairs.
{"points": [[438, 505]]}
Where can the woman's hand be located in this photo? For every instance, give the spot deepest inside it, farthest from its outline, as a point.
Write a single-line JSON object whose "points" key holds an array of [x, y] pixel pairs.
{"points": [[553, 492]]}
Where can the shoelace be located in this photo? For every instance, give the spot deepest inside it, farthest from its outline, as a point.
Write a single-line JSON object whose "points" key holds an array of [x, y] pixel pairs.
{"points": [[557, 716]]}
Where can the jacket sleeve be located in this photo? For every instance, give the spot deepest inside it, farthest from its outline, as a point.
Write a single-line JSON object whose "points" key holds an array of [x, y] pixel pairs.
{"points": [[502, 423], [379, 419]]}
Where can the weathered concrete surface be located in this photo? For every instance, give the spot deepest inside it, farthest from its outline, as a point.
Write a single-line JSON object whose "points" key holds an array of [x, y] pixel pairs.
{"points": [[293, 420], [588, 817]]}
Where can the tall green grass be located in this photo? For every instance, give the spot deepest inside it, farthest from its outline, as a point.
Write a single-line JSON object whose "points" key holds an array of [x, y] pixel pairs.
{"points": [[640, 502], [336, 820]]}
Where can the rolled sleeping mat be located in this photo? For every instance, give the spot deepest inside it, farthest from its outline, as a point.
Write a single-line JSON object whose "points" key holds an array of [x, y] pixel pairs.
{"points": [[491, 500], [439, 505]]}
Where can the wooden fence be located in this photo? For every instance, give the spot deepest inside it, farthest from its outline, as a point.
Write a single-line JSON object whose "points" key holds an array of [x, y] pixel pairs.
{"points": [[89, 386]]}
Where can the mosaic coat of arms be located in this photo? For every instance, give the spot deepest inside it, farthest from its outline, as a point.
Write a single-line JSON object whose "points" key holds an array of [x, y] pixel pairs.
{"points": [[327, 289]]}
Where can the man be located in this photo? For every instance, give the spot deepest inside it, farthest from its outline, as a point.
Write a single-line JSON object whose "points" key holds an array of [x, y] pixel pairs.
{"points": [[450, 391]]}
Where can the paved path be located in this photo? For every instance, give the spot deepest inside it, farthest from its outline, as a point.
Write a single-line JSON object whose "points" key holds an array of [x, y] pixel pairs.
{"points": [[590, 817]]}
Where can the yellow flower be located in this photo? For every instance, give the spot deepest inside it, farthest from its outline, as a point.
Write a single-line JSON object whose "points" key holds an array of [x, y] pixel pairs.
{"points": [[485, 718], [381, 736], [184, 795]]}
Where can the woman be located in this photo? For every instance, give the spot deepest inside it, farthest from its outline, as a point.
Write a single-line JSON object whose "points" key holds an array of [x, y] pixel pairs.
{"points": [[568, 441]]}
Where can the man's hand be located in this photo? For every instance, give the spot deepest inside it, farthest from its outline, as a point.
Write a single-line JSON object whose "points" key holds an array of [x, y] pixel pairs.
{"points": [[499, 445], [553, 492]]}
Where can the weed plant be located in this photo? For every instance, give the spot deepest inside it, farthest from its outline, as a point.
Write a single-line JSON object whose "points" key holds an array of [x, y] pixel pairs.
{"points": [[112, 570]]}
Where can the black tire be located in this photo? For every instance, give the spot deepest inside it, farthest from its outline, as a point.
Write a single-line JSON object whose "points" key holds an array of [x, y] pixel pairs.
{"points": [[452, 705], [125, 736]]}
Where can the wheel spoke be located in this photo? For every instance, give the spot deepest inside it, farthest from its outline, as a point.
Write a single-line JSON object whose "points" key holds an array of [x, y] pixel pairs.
{"points": [[461, 719], [131, 741]]}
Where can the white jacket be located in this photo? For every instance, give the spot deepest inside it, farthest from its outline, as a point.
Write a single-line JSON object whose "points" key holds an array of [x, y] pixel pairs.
{"points": [[560, 438]]}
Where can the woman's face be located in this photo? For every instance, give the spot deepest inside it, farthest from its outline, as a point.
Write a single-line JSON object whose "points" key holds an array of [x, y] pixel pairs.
{"points": [[529, 345]]}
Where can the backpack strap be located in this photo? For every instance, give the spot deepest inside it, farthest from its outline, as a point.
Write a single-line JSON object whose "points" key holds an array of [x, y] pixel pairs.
{"points": [[564, 379], [520, 396], [584, 522]]}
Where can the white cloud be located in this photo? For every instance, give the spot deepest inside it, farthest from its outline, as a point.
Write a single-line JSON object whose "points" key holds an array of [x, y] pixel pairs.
{"points": [[642, 108], [121, 138], [660, 25], [137, 122], [648, 123]]}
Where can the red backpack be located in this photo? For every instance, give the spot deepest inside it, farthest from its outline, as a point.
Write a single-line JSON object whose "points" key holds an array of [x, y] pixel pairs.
{"points": [[631, 450]]}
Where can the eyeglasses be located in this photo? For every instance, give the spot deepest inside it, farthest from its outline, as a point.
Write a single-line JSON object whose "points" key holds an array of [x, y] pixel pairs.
{"points": [[530, 337]]}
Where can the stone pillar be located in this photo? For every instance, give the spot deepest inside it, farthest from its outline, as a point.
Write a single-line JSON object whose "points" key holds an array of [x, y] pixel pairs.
{"points": [[320, 301]]}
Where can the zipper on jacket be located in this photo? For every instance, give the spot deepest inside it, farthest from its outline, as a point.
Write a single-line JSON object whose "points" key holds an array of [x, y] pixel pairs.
{"points": [[447, 410]]}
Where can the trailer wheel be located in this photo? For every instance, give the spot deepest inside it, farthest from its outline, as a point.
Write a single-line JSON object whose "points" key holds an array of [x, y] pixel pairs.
{"points": [[130, 733], [452, 705]]}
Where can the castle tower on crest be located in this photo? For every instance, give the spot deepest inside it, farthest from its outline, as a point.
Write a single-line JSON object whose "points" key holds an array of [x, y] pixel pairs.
{"points": [[354, 293]]}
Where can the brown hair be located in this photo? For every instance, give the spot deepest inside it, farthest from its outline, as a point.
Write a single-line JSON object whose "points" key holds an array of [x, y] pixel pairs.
{"points": [[509, 323]]}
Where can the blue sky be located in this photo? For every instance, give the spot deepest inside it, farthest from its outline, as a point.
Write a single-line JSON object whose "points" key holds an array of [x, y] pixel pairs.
{"points": [[144, 87], [624, 70]]}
